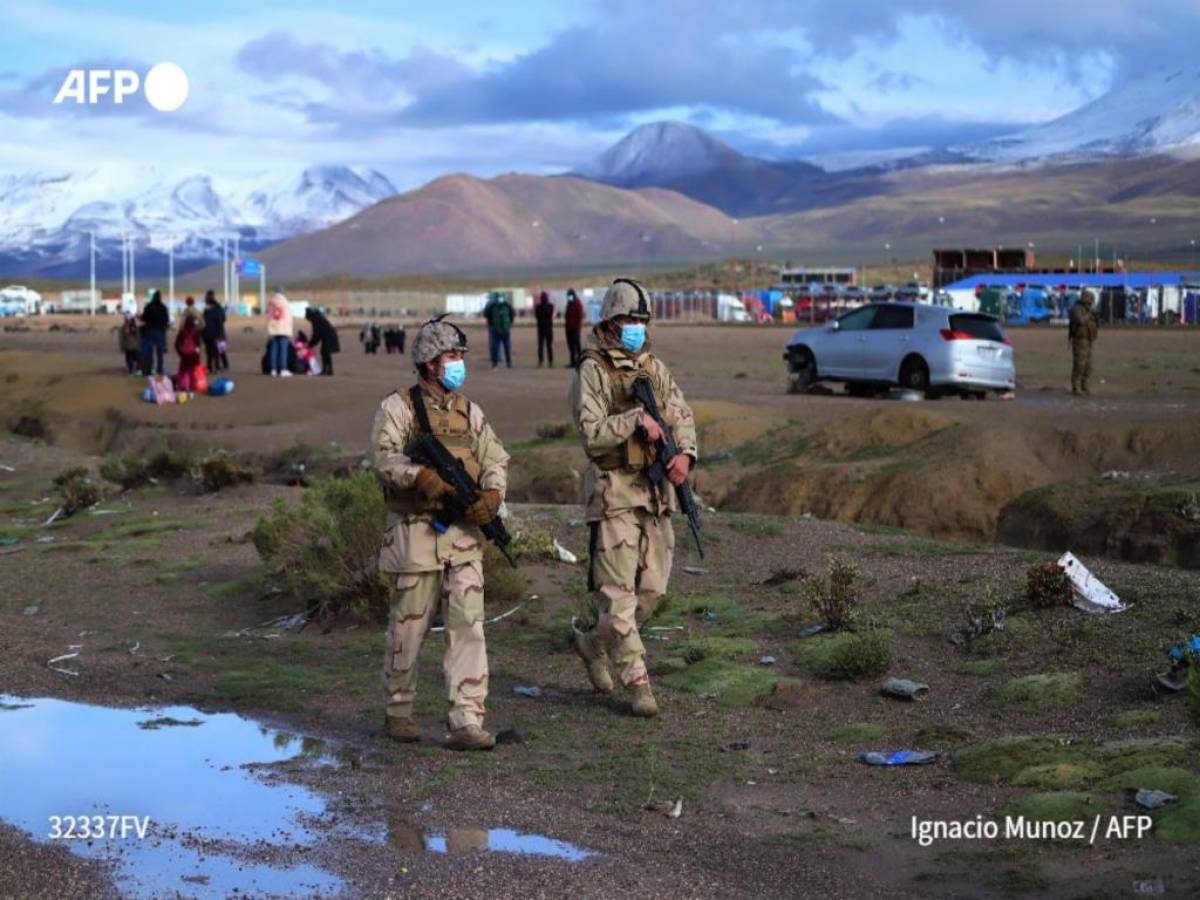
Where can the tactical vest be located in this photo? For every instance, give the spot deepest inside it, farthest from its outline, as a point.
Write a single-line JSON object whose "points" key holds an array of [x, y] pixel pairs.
{"points": [[633, 454], [453, 428]]}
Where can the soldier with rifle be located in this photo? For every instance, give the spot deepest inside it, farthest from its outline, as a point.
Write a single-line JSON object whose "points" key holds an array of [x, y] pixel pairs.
{"points": [[444, 474], [640, 437]]}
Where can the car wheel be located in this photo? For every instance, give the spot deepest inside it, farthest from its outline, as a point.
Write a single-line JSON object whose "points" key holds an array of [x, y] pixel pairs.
{"points": [[803, 371], [914, 374]]}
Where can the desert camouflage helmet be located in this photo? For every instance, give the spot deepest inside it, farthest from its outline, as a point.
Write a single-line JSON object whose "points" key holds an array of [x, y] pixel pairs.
{"points": [[435, 338], [625, 298]]}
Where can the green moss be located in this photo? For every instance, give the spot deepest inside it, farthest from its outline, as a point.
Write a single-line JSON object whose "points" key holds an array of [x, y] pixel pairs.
{"points": [[845, 655], [942, 734], [693, 650], [857, 733], [757, 526], [1136, 753], [1041, 691], [982, 668], [1136, 718], [717, 614], [1055, 806], [1058, 776], [728, 683], [927, 547], [1000, 760]]}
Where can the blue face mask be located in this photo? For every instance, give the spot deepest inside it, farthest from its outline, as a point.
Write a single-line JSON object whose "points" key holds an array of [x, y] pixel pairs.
{"points": [[632, 337], [454, 373]]}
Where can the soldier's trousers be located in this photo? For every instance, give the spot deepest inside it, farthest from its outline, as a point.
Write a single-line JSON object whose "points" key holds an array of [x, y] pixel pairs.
{"points": [[1081, 364], [459, 592], [630, 567]]}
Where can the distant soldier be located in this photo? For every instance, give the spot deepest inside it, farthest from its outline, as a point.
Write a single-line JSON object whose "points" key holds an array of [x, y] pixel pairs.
{"points": [[433, 568], [1083, 326], [632, 543]]}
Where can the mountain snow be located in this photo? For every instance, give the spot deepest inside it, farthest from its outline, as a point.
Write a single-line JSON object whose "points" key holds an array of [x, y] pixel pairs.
{"points": [[46, 218], [659, 152], [1154, 113]]}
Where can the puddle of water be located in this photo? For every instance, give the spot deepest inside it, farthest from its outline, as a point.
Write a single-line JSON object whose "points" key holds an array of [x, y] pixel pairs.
{"points": [[498, 840], [177, 766]]}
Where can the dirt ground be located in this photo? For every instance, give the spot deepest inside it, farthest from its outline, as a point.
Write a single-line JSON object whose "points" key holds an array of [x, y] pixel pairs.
{"points": [[764, 757]]}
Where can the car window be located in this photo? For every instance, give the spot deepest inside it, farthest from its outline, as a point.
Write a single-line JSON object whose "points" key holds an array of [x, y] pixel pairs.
{"points": [[982, 328], [858, 319], [893, 317]]}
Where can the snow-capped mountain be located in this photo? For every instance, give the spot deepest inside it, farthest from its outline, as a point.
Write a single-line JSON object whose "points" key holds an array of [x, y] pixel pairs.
{"points": [[687, 159], [47, 219], [1152, 114], [659, 152]]}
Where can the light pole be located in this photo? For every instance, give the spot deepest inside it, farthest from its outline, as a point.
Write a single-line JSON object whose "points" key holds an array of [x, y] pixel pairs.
{"points": [[1153, 240], [92, 267], [171, 272]]}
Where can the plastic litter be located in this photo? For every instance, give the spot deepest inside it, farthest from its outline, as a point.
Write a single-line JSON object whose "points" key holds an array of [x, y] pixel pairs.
{"points": [[900, 758], [904, 689], [563, 554], [1153, 799], [523, 690], [9, 541], [1087, 591], [766, 661], [812, 630], [676, 809], [30, 611], [694, 570], [1149, 887], [220, 387]]}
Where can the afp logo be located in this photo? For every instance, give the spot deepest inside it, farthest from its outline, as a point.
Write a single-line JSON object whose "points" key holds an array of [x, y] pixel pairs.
{"points": [[166, 86]]}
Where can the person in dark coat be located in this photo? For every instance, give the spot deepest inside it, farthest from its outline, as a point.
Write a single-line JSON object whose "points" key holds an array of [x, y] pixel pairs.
{"points": [[213, 333], [573, 324], [155, 321], [543, 311], [401, 338], [325, 337]]}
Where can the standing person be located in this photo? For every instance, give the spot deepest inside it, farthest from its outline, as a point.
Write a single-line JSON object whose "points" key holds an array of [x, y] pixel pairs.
{"points": [[187, 345], [401, 339], [433, 569], [130, 343], [155, 321], [573, 323], [543, 311], [213, 333], [1083, 327], [499, 316], [279, 330], [631, 543], [325, 336], [190, 311]]}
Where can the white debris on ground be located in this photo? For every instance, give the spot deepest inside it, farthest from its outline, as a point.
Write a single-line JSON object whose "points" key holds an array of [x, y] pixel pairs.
{"points": [[1087, 591]]}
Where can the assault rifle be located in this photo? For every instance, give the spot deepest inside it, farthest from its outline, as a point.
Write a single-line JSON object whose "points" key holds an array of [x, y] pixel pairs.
{"points": [[429, 451], [643, 392]]}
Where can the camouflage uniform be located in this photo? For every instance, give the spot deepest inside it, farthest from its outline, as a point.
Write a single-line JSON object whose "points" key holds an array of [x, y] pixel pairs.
{"points": [[1083, 326], [632, 541], [432, 569]]}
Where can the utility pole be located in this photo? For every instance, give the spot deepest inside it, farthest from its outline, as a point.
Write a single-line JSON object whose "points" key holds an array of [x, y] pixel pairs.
{"points": [[124, 265], [224, 273], [236, 273], [171, 272], [92, 267], [133, 266]]}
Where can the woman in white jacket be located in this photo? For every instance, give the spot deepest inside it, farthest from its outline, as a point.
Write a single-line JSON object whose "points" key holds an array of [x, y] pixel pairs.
{"points": [[279, 328]]}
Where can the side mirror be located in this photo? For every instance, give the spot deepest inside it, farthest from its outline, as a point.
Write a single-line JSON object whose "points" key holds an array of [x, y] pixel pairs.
{"points": [[832, 326]]}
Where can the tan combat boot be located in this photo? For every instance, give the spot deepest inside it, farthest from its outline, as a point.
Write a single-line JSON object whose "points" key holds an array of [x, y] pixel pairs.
{"points": [[595, 661], [643, 701], [402, 729], [470, 737]]}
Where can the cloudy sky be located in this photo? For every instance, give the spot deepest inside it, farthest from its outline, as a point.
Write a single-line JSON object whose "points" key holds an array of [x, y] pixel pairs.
{"points": [[418, 89]]}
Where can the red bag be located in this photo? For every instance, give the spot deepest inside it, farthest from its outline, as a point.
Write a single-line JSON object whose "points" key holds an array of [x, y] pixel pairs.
{"points": [[200, 379]]}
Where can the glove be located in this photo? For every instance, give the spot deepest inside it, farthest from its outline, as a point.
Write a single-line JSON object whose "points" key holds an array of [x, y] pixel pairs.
{"points": [[485, 508], [429, 484], [653, 432]]}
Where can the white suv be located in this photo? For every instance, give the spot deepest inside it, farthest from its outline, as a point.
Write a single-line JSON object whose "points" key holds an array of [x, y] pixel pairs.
{"points": [[910, 345]]}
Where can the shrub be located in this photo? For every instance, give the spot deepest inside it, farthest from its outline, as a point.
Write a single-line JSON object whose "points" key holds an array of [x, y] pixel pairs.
{"points": [[836, 605], [554, 430], [78, 490], [327, 549], [503, 586], [848, 655], [215, 469], [1045, 690], [133, 470], [1193, 686], [1047, 585], [532, 542]]}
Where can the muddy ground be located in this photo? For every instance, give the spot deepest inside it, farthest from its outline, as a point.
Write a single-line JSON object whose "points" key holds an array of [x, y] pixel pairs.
{"points": [[764, 757]]}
